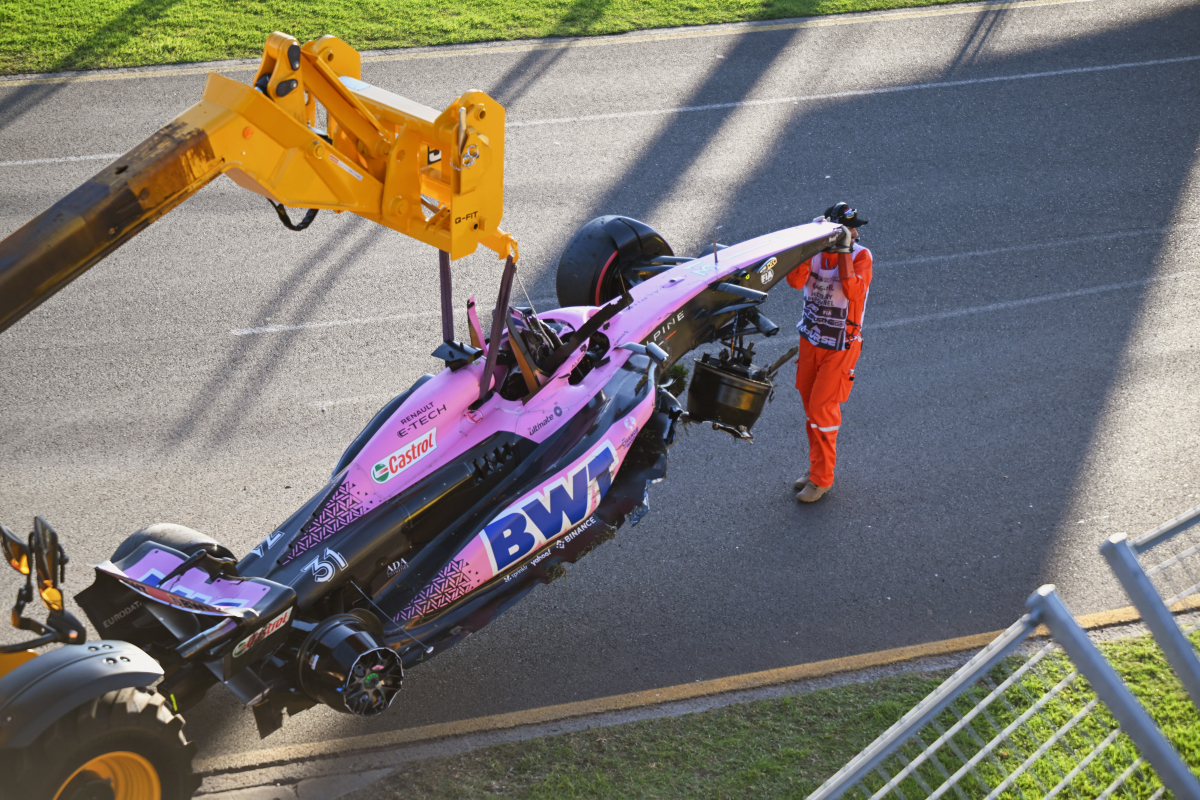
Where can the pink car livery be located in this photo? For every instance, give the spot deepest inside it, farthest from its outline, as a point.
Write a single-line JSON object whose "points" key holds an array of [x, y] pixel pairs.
{"points": [[530, 448]]}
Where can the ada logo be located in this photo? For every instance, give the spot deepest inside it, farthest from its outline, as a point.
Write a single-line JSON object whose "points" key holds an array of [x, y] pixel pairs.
{"points": [[557, 507], [262, 633], [766, 273], [404, 458]]}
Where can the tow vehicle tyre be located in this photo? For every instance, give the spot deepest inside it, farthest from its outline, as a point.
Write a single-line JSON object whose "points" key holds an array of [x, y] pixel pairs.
{"points": [[124, 745], [177, 537], [600, 256]]}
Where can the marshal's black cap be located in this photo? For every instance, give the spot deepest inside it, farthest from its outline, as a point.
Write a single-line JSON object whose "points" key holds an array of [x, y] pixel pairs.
{"points": [[843, 214]]}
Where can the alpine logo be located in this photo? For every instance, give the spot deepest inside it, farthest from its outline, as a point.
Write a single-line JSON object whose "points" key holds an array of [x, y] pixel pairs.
{"points": [[404, 458], [555, 508], [667, 329], [262, 633]]}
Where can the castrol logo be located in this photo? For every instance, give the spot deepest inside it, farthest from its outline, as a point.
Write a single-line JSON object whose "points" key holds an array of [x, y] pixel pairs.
{"points": [[262, 633], [404, 458]]}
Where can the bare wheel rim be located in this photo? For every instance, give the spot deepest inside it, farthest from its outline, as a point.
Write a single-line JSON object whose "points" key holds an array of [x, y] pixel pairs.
{"points": [[130, 775]]}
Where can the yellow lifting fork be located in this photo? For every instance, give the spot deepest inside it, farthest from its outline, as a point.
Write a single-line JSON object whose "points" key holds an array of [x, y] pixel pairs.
{"points": [[437, 177]]}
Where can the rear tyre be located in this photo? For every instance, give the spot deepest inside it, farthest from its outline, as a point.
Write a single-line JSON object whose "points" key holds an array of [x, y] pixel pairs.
{"points": [[177, 537], [602, 255], [124, 745]]}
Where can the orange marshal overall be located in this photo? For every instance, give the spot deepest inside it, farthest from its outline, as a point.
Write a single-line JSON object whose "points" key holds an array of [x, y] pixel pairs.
{"points": [[835, 293]]}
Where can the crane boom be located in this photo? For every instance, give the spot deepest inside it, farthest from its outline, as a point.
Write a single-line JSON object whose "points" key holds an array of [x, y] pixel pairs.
{"points": [[435, 176]]}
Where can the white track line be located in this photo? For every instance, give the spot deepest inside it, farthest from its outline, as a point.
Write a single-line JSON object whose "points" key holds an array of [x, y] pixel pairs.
{"points": [[897, 323], [807, 98], [60, 160], [893, 323], [549, 301], [337, 323], [1023, 248], [366, 398], [764, 102], [546, 302], [1028, 301]]}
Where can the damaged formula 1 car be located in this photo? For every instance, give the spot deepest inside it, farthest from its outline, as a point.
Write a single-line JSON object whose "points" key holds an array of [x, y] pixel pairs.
{"points": [[533, 445]]}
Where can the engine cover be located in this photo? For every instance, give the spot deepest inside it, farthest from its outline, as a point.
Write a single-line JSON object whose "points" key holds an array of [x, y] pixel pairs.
{"points": [[345, 664]]}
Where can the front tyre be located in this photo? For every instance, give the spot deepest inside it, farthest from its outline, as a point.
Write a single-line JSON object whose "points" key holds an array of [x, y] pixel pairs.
{"points": [[604, 255], [124, 745]]}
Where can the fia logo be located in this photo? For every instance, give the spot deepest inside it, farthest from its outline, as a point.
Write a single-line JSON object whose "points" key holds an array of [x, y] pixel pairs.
{"points": [[555, 508], [766, 273]]}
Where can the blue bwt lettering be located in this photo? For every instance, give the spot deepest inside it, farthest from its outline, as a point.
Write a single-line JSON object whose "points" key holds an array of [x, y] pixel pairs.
{"points": [[509, 539], [573, 505]]}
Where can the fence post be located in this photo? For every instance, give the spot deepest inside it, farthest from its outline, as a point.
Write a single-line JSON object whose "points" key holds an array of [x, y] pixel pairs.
{"points": [[1046, 607], [921, 714], [1179, 651]]}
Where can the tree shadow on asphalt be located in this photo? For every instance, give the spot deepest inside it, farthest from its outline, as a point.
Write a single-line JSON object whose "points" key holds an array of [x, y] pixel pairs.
{"points": [[530, 68], [952, 429], [964, 441], [255, 359], [665, 158], [138, 15]]}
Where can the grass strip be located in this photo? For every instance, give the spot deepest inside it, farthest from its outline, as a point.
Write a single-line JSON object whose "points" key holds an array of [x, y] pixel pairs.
{"points": [[771, 748], [64, 35]]}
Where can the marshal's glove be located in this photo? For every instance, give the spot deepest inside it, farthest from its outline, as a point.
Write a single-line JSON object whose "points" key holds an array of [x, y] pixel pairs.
{"points": [[844, 242]]}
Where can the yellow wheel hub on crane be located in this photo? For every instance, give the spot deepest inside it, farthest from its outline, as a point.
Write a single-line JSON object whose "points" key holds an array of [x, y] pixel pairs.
{"points": [[130, 776]]}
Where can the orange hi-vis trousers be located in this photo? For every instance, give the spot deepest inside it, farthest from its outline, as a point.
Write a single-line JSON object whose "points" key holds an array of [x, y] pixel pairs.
{"points": [[824, 378]]}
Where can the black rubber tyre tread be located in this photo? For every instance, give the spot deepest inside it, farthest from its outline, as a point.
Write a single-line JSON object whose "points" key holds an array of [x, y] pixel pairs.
{"points": [[131, 719], [582, 278], [177, 537], [580, 264]]}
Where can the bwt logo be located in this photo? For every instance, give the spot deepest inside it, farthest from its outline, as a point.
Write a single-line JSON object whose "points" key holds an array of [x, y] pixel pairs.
{"points": [[558, 507]]}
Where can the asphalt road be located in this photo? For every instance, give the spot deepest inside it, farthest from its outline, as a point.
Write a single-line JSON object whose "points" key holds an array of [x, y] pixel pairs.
{"points": [[1029, 383]]}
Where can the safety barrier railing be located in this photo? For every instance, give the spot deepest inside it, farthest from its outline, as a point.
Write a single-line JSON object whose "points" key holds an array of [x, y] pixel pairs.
{"points": [[1021, 725], [1173, 582]]}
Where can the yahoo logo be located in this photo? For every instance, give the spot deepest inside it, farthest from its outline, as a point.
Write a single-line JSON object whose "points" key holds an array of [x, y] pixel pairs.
{"points": [[558, 507]]}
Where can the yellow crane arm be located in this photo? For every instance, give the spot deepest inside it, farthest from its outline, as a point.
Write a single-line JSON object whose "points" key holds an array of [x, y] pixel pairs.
{"points": [[435, 176]]}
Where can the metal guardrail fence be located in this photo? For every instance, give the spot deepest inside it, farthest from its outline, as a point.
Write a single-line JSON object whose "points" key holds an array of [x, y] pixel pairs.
{"points": [[1055, 722], [1172, 582]]}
